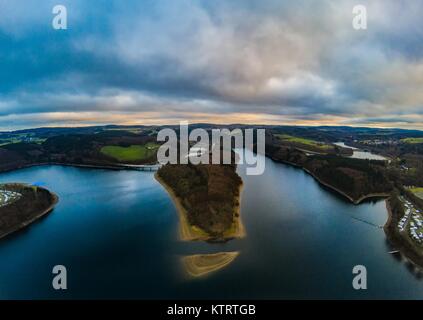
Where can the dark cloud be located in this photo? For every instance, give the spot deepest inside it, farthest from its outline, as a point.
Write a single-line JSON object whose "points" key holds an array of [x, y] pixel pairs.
{"points": [[279, 60]]}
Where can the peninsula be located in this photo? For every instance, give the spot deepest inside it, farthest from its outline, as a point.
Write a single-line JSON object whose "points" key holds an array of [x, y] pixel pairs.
{"points": [[355, 179], [207, 198], [22, 204]]}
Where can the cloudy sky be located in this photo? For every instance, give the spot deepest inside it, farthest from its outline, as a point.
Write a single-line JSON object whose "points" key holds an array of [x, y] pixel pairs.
{"points": [[237, 61]]}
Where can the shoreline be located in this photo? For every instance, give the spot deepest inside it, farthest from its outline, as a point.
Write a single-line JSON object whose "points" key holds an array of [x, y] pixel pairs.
{"points": [[405, 248], [390, 214], [76, 165], [357, 201], [240, 229], [188, 232], [38, 216], [135, 167], [342, 193]]}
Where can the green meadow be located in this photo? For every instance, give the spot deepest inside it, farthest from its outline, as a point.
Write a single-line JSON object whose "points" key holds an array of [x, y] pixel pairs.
{"points": [[304, 141], [132, 153], [418, 192], [412, 140]]}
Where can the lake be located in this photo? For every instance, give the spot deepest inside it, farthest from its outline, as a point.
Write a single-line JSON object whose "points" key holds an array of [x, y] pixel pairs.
{"points": [[360, 154], [116, 233]]}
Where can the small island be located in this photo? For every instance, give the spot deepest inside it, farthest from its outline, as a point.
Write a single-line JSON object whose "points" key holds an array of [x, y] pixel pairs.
{"points": [[199, 265], [22, 204], [207, 198]]}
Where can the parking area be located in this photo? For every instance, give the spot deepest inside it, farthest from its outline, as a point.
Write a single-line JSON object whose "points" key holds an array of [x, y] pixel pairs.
{"points": [[7, 197], [412, 222]]}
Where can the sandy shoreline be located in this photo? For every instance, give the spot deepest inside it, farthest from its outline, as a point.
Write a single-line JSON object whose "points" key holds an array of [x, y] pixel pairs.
{"points": [[187, 232], [389, 220], [238, 230], [199, 265]]}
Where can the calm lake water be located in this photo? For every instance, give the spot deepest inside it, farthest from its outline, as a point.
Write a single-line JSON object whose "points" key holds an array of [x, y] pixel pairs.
{"points": [[360, 154], [116, 232]]}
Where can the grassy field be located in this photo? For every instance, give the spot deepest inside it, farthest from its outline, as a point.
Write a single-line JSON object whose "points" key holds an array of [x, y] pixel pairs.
{"points": [[4, 142], [132, 130], [132, 153], [418, 192], [412, 140], [304, 141]]}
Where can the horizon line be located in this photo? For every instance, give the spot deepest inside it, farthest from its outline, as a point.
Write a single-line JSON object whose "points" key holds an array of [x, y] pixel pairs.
{"points": [[206, 123]]}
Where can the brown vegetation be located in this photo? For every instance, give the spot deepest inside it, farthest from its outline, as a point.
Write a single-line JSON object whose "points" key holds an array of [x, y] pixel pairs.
{"points": [[33, 203], [208, 193], [355, 178]]}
